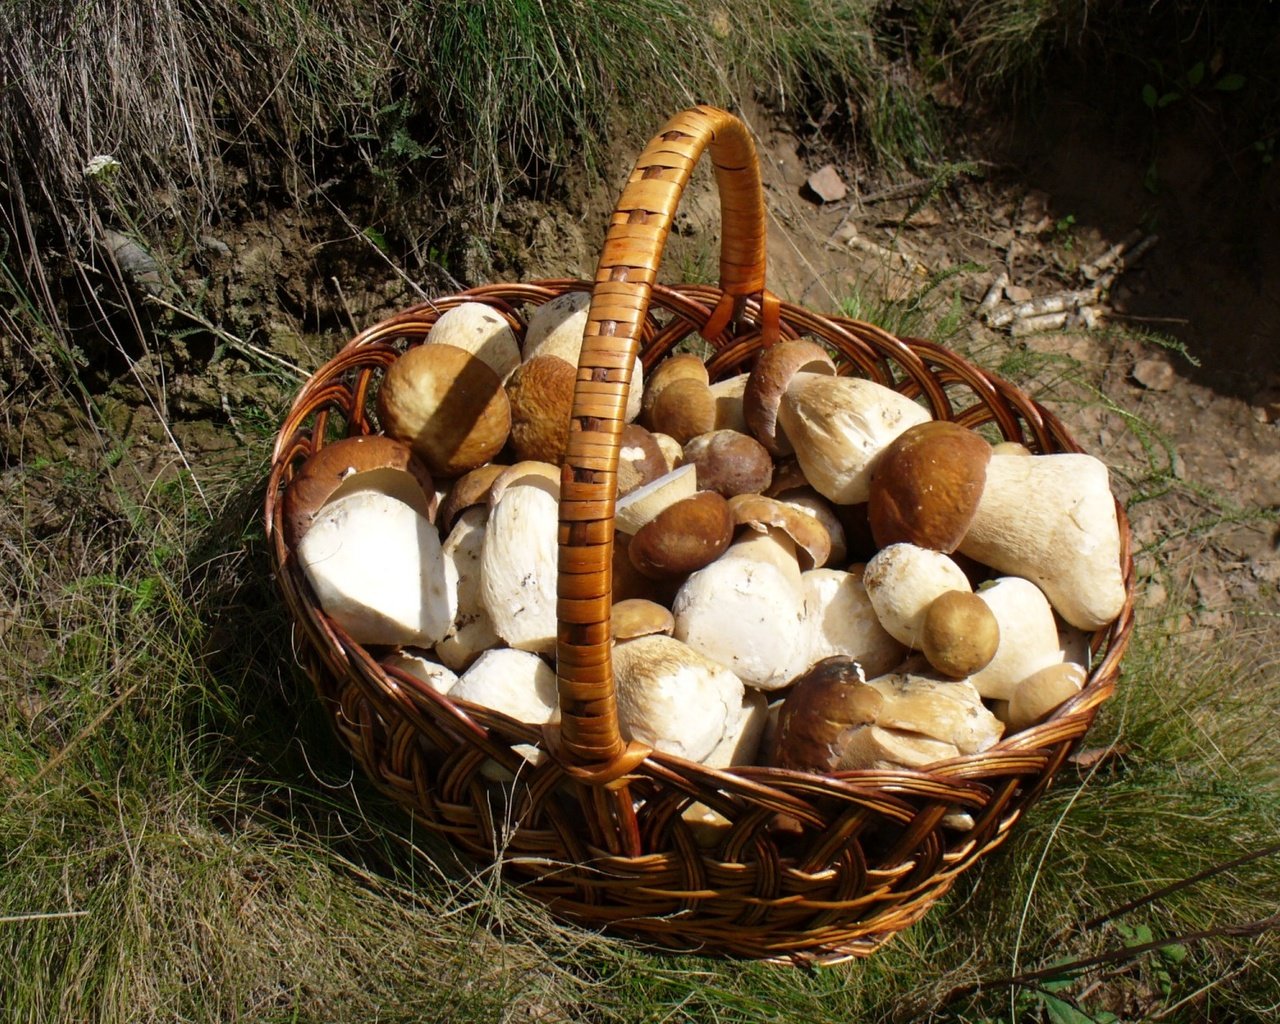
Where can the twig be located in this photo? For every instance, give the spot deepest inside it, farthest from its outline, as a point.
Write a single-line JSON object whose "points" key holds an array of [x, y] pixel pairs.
{"points": [[992, 298], [1060, 302], [19, 918], [891, 256], [1103, 262], [1038, 324]]}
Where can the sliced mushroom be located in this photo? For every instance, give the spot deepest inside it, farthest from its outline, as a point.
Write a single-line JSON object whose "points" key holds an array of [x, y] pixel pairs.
{"points": [[729, 397], [741, 741], [518, 684], [376, 568], [364, 463]]}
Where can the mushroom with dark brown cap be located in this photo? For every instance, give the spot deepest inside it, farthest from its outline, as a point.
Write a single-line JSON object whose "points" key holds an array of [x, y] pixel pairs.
{"points": [[469, 490], [824, 709], [730, 463], [684, 409], [640, 458], [769, 381], [925, 485], [447, 405], [683, 537], [363, 463]]}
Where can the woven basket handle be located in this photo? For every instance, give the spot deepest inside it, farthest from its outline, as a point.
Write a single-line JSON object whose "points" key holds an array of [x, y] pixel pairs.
{"points": [[633, 245]]}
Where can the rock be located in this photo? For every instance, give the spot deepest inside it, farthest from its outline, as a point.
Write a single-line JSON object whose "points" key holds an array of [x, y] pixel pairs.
{"points": [[827, 185], [1154, 374]]}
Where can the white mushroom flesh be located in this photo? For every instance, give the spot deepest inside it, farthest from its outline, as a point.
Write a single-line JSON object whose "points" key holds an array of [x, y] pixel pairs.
{"points": [[839, 619], [902, 580], [947, 710], [741, 741], [471, 632], [1028, 636], [518, 566]]}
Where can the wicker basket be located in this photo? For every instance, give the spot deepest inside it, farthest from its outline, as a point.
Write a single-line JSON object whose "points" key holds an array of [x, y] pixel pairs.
{"points": [[596, 829]]}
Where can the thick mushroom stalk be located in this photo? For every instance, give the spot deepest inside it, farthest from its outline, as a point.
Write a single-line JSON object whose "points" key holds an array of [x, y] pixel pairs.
{"points": [[746, 609], [471, 633], [1052, 519], [673, 698], [518, 568], [838, 425]]}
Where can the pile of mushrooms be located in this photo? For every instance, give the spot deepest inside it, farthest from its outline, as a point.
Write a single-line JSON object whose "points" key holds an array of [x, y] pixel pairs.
{"points": [[809, 571]]}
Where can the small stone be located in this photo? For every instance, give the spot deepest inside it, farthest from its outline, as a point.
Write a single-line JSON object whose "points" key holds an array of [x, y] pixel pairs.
{"points": [[1017, 293], [827, 185], [1154, 374]]}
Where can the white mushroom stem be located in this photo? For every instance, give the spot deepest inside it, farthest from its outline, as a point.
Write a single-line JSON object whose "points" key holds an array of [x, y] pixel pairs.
{"points": [[518, 565], [672, 698], [746, 609], [903, 580], [728, 394], [471, 632], [741, 740], [839, 619], [1028, 636], [838, 425], [1052, 519], [377, 570], [518, 684], [636, 508]]}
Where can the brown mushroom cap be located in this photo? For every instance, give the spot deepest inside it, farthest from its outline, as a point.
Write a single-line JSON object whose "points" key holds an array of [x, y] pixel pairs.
{"points": [[730, 463], [636, 617], [672, 450], [469, 490], [684, 409], [813, 542], [926, 484], [826, 706], [683, 365], [530, 473], [541, 395], [365, 463], [640, 458], [960, 634], [768, 383], [683, 537], [447, 405]]}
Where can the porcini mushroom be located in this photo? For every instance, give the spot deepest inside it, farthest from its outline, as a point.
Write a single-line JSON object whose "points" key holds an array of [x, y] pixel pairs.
{"points": [[768, 382], [838, 425], [376, 568], [903, 580], [839, 620], [1028, 636], [1052, 519], [729, 463], [960, 635], [673, 698], [414, 661], [481, 330], [540, 392], [518, 568], [1041, 693], [683, 537], [828, 703], [944, 709], [448, 405], [471, 632]]}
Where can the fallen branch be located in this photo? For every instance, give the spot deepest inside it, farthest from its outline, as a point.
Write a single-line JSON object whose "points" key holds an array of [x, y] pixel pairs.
{"points": [[992, 298], [1095, 269]]}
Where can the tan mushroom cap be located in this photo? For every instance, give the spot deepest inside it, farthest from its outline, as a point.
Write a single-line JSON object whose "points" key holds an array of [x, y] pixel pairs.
{"points": [[1040, 694], [730, 462], [960, 634], [637, 508], [681, 366], [672, 450], [640, 458], [768, 383], [926, 484], [365, 463], [813, 542], [683, 537], [541, 395], [469, 490], [447, 405], [556, 328], [635, 617], [529, 473], [684, 409]]}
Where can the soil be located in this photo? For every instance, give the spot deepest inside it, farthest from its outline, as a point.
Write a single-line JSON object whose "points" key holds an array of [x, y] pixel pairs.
{"points": [[1190, 429]]}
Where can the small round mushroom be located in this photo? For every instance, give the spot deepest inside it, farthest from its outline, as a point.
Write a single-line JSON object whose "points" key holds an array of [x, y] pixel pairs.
{"points": [[681, 366], [376, 568], [482, 331], [903, 580], [556, 328], [730, 463], [364, 463], [673, 698], [540, 392], [684, 409], [672, 450], [447, 405], [683, 537], [635, 617], [768, 382], [960, 634], [925, 485]]}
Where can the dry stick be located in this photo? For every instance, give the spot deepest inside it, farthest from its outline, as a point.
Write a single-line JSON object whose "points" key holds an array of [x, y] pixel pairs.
{"points": [[890, 256], [1103, 262], [239, 344], [992, 297]]}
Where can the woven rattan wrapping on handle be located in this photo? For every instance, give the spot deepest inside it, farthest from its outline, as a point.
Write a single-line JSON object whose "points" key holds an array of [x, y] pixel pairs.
{"points": [[619, 303]]}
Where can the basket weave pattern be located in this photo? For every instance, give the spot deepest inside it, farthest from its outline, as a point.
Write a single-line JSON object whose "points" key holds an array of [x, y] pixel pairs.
{"points": [[596, 828]]}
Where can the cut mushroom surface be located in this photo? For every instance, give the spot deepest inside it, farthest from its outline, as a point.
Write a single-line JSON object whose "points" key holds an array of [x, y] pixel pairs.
{"points": [[471, 631], [518, 568]]}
